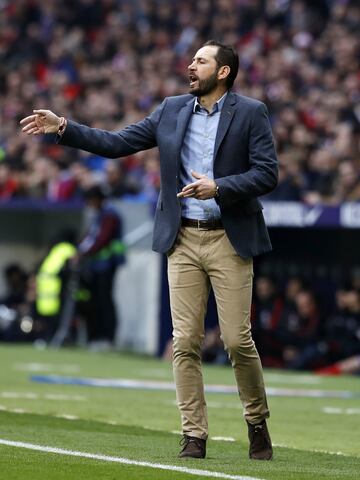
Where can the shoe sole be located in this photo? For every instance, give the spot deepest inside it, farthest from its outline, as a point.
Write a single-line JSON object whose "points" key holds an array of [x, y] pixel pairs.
{"points": [[191, 456], [266, 459]]}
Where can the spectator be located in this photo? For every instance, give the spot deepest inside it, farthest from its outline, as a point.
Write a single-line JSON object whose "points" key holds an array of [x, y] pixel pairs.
{"points": [[298, 331], [117, 183], [212, 350], [348, 185], [16, 285], [342, 329], [100, 253], [51, 277], [289, 186], [83, 178], [266, 312], [8, 184], [294, 285], [321, 176]]}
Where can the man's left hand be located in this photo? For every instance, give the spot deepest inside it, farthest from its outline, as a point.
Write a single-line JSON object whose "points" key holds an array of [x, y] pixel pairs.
{"points": [[203, 189]]}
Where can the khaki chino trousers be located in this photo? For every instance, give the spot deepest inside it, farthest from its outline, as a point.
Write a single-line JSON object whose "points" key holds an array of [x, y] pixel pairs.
{"points": [[200, 259]]}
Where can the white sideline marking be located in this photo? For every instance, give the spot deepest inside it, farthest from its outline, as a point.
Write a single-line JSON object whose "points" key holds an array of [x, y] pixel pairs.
{"points": [[28, 395], [222, 405], [67, 416], [60, 396], [223, 439], [328, 452], [292, 379], [124, 461], [46, 367], [341, 411], [21, 410], [46, 396]]}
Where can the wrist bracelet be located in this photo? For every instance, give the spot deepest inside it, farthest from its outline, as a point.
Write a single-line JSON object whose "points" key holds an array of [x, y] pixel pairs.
{"points": [[62, 126]]}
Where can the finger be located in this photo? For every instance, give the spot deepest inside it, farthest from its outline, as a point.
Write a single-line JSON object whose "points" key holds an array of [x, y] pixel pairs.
{"points": [[29, 126], [41, 112], [189, 193], [190, 186], [184, 194], [33, 131], [28, 119]]}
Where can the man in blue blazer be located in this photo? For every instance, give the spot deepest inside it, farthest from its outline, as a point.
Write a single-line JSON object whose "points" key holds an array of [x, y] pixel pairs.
{"points": [[217, 157]]}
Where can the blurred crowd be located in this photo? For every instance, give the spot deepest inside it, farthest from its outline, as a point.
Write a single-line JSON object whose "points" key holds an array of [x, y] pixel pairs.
{"points": [[108, 63], [297, 325]]}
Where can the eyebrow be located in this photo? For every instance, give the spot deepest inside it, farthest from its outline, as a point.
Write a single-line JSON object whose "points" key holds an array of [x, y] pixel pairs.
{"points": [[199, 58]]}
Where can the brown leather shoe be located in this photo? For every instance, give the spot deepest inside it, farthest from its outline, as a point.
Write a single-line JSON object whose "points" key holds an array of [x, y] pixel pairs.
{"points": [[192, 447], [260, 442]]}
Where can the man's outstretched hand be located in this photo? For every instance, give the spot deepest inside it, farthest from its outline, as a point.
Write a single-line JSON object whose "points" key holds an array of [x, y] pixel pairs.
{"points": [[203, 189], [43, 121]]}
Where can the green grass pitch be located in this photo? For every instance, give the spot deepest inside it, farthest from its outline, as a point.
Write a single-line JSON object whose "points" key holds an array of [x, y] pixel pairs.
{"points": [[315, 438]]}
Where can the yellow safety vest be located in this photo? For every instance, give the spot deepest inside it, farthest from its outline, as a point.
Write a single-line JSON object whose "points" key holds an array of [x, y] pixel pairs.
{"points": [[48, 281]]}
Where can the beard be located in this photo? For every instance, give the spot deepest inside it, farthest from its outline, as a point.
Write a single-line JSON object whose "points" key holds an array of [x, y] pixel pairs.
{"points": [[205, 86]]}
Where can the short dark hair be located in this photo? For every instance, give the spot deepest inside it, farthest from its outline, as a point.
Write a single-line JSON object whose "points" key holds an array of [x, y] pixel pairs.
{"points": [[94, 192], [226, 55]]}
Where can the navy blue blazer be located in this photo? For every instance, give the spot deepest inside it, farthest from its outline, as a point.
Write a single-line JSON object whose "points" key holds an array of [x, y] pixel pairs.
{"points": [[245, 164]]}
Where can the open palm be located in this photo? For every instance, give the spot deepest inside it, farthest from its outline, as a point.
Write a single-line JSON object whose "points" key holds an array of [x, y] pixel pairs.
{"points": [[42, 121]]}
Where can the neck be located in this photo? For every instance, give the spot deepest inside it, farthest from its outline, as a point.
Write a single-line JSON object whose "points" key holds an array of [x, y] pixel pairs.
{"points": [[208, 101]]}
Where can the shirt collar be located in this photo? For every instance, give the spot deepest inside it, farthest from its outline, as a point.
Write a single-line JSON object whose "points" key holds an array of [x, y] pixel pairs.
{"points": [[216, 108]]}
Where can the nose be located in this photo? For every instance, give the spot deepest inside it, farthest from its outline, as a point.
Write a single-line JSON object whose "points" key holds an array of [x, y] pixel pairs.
{"points": [[191, 66]]}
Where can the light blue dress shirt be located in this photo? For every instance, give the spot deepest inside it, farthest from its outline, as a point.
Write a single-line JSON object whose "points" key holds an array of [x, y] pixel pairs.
{"points": [[197, 154]]}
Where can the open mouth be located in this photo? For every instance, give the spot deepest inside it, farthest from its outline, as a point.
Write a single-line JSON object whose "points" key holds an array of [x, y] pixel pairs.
{"points": [[192, 79]]}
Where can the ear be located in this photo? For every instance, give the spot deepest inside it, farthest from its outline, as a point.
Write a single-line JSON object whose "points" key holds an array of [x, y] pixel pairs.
{"points": [[223, 72]]}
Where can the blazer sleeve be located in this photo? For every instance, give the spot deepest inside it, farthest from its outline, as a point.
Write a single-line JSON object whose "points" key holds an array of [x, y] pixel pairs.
{"points": [[132, 139], [262, 175]]}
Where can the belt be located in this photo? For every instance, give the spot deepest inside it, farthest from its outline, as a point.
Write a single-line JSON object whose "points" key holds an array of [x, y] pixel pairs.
{"points": [[214, 224]]}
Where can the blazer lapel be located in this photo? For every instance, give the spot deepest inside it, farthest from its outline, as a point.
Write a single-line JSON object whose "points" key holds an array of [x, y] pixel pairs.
{"points": [[181, 126], [226, 116]]}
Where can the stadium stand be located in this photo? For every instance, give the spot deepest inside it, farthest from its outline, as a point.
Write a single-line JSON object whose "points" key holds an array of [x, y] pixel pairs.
{"points": [[108, 63]]}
